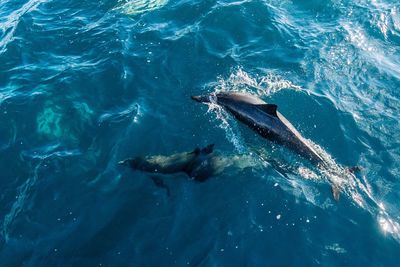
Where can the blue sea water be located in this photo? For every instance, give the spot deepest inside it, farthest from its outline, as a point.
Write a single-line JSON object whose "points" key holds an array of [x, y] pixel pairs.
{"points": [[85, 84]]}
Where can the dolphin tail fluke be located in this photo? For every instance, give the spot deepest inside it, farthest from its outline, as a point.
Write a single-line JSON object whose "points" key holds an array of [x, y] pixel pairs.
{"points": [[336, 189], [336, 192]]}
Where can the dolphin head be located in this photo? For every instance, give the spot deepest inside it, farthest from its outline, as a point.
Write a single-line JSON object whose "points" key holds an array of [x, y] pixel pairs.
{"points": [[134, 163], [202, 98]]}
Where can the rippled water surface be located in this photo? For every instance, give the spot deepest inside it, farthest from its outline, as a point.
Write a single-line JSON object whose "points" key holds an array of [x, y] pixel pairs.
{"points": [[85, 84]]}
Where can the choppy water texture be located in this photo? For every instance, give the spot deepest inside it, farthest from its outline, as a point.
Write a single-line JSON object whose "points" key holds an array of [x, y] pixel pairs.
{"points": [[85, 84]]}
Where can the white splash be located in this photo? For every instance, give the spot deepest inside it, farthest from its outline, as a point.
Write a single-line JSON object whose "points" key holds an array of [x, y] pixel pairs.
{"points": [[308, 173], [241, 81], [223, 116], [387, 224]]}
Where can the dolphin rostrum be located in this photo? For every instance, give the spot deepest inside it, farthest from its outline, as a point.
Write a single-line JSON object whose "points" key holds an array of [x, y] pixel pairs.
{"points": [[266, 121]]}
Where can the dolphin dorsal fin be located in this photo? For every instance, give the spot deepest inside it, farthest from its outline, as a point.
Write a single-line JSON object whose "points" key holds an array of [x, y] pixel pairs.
{"points": [[208, 149], [269, 108]]}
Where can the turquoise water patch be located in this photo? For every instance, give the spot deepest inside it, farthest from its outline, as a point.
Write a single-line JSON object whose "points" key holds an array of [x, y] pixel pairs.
{"points": [[57, 122], [49, 122]]}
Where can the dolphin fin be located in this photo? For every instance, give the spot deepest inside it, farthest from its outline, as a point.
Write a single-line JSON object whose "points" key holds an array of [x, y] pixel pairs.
{"points": [[336, 192], [269, 109], [208, 149], [160, 183]]}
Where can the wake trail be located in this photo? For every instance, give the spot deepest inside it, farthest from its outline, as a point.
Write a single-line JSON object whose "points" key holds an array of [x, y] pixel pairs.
{"points": [[359, 191]]}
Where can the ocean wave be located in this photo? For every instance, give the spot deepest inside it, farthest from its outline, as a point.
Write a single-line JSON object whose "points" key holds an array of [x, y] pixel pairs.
{"points": [[9, 23], [134, 7], [133, 111], [372, 50]]}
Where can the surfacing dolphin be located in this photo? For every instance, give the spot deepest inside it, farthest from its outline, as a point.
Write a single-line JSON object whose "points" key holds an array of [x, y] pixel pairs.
{"points": [[266, 121]]}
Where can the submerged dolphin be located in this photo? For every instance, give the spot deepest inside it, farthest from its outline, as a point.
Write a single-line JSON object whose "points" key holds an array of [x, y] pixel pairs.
{"points": [[198, 164], [266, 121]]}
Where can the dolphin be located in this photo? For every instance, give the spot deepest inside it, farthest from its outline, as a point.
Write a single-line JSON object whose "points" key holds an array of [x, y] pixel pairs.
{"points": [[198, 164], [264, 119]]}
